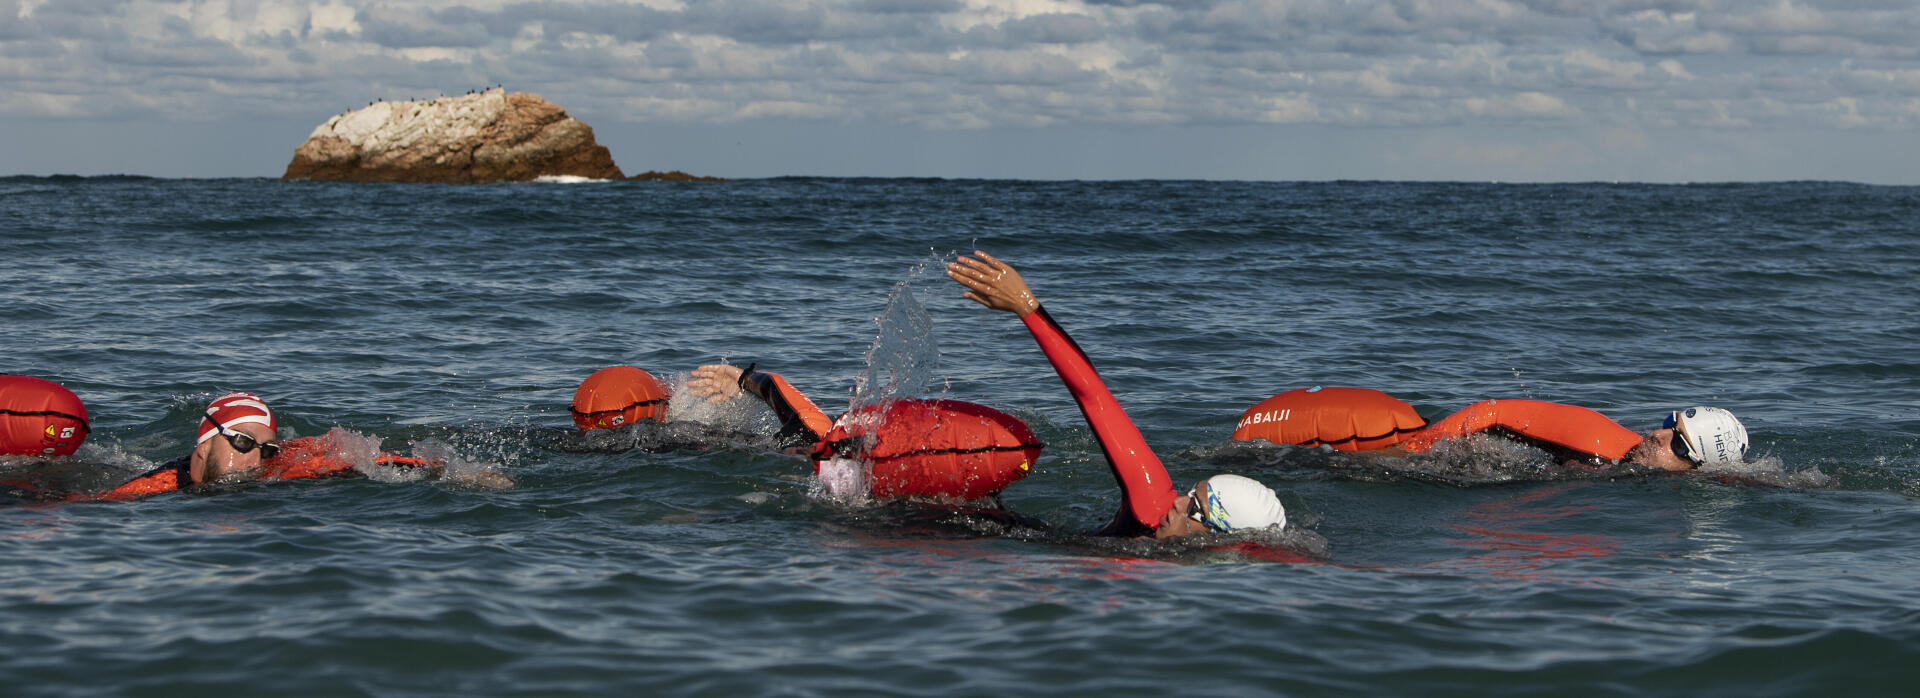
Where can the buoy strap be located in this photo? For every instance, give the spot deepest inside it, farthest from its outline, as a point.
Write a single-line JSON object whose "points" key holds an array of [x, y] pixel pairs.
{"points": [[978, 449], [49, 413], [616, 410]]}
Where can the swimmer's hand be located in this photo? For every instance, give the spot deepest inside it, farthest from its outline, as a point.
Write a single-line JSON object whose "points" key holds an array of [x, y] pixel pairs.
{"points": [[486, 478], [994, 284], [715, 382]]}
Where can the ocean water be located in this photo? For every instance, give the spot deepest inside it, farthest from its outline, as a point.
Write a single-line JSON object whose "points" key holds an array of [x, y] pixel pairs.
{"points": [[456, 321]]}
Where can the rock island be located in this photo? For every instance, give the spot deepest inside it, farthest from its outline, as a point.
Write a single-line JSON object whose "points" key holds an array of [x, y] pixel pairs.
{"points": [[486, 136]]}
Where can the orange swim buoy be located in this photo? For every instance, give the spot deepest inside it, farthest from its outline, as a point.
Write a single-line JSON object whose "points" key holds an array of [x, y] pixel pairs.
{"points": [[40, 418], [618, 396], [938, 448], [1347, 419]]}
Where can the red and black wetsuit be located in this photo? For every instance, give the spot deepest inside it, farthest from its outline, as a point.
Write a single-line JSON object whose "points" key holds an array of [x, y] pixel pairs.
{"points": [[802, 424], [1147, 489]]}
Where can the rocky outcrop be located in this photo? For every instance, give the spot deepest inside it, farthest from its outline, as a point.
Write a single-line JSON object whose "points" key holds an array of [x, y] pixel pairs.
{"points": [[673, 176], [488, 136]]}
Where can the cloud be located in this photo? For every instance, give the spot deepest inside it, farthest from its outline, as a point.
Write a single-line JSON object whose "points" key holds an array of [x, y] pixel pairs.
{"points": [[975, 64], [410, 29]]}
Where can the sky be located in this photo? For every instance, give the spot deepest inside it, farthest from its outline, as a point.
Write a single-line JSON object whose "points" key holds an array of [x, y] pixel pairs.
{"points": [[1462, 90]]}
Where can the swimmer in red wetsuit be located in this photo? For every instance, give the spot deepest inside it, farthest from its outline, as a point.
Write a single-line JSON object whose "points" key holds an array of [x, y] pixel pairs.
{"points": [[238, 438], [1150, 505], [237, 432], [1689, 438]]}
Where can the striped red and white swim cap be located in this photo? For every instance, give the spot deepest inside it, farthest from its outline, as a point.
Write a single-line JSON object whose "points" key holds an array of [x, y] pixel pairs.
{"points": [[232, 410]]}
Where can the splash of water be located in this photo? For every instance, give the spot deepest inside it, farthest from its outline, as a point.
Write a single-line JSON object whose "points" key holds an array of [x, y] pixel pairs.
{"points": [[454, 467], [736, 415], [903, 360], [1769, 470]]}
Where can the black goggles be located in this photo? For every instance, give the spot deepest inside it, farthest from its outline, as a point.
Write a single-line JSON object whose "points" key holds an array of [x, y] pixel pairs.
{"points": [[242, 442], [1681, 445], [1197, 509]]}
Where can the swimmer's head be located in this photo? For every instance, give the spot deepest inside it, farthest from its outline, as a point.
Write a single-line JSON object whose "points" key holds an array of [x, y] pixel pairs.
{"points": [[237, 431], [1235, 503], [617, 396], [1223, 504], [1707, 436]]}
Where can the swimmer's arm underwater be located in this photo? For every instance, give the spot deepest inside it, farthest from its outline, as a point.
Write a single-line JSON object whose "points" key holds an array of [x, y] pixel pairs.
{"points": [[1144, 483]]}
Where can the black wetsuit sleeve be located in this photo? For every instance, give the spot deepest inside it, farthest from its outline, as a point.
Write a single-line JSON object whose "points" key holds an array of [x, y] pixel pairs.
{"points": [[801, 423]]}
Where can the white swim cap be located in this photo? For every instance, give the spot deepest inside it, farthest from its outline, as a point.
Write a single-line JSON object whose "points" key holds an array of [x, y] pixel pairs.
{"points": [[1236, 503], [1712, 435]]}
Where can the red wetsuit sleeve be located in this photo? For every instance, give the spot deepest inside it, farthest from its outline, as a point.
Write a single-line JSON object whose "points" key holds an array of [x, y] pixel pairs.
{"points": [[1144, 483], [1577, 429], [801, 423]]}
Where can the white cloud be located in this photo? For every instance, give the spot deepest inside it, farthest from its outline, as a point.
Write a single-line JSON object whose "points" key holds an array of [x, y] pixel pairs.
{"points": [[333, 17], [975, 64], [1583, 67], [1524, 106]]}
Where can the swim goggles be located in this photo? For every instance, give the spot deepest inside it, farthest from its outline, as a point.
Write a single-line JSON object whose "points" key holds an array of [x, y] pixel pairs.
{"points": [[1199, 513], [1681, 445], [242, 442]]}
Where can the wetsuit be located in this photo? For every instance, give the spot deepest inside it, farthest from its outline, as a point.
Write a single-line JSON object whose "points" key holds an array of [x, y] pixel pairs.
{"points": [[1566, 429], [176, 475], [1144, 484], [802, 425]]}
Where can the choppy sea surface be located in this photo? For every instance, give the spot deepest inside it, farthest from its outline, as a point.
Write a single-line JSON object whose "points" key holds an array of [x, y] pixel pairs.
{"points": [[456, 321]]}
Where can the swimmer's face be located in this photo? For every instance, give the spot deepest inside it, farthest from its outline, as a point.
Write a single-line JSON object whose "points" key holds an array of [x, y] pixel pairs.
{"points": [[1178, 521], [216, 458], [1656, 451]]}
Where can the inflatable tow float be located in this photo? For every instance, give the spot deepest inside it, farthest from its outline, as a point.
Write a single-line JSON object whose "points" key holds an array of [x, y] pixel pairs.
{"points": [[1345, 419], [933, 448], [40, 418]]}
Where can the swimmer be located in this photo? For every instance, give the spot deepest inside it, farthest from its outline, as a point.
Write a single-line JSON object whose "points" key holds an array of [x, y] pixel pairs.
{"points": [[238, 439], [236, 432], [945, 449], [1365, 420], [1150, 505], [1689, 438]]}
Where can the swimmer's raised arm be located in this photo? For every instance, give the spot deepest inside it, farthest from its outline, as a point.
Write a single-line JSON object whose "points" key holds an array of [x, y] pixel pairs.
{"points": [[1147, 492], [994, 284], [715, 382]]}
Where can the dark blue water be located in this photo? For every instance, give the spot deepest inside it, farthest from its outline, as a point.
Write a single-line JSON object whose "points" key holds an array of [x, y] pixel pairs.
{"points": [[457, 321]]}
